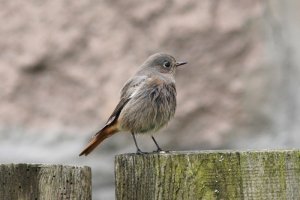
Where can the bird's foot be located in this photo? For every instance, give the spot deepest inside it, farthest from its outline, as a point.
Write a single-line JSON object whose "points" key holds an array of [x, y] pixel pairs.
{"points": [[159, 150], [140, 152]]}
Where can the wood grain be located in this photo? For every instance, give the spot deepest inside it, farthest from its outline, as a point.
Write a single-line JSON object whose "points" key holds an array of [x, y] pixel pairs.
{"points": [[44, 182], [208, 175]]}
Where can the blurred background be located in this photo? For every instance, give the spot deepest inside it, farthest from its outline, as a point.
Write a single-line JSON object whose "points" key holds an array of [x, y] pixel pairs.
{"points": [[63, 63]]}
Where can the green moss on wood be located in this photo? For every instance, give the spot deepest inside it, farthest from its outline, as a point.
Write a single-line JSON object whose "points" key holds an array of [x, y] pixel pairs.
{"points": [[209, 175]]}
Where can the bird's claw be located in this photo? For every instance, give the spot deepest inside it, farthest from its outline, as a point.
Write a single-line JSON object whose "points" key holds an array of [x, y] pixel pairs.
{"points": [[159, 150], [140, 152]]}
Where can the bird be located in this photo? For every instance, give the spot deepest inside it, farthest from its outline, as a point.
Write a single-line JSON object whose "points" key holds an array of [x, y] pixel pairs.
{"points": [[147, 102]]}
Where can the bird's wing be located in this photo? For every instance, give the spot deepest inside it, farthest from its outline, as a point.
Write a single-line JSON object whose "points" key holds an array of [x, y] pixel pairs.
{"points": [[132, 85], [128, 90]]}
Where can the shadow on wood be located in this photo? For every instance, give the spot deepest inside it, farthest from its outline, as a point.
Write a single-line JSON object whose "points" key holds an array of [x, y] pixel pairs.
{"points": [[44, 182], [208, 175]]}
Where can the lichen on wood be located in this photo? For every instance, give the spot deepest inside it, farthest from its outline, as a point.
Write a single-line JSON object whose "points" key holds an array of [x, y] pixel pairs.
{"points": [[208, 175]]}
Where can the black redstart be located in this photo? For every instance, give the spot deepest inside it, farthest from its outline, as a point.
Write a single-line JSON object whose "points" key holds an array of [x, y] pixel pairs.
{"points": [[147, 103]]}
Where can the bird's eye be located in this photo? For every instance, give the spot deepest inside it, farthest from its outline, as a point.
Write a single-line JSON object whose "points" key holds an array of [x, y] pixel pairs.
{"points": [[167, 64]]}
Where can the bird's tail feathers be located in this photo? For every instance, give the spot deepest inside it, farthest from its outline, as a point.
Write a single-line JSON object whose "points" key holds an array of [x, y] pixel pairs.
{"points": [[101, 135]]}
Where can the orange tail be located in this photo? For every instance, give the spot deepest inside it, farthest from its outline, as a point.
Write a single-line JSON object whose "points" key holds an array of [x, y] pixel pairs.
{"points": [[104, 133]]}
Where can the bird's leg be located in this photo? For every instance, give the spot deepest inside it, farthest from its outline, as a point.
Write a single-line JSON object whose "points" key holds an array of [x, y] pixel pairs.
{"points": [[158, 147], [138, 150]]}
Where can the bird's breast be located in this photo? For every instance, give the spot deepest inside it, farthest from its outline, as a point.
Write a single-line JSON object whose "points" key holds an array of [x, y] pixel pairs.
{"points": [[150, 108]]}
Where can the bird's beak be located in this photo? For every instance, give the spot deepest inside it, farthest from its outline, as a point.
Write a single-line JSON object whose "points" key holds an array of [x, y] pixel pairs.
{"points": [[180, 63]]}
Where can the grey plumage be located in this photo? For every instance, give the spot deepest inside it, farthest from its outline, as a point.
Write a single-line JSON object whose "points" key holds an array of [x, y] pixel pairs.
{"points": [[152, 96], [147, 102], [150, 107]]}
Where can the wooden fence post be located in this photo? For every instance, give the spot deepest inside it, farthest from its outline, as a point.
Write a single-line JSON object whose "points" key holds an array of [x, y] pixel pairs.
{"points": [[44, 182], [208, 175]]}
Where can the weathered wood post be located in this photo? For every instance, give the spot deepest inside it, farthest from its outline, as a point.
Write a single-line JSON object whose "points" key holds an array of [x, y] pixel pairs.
{"points": [[44, 182], [208, 175]]}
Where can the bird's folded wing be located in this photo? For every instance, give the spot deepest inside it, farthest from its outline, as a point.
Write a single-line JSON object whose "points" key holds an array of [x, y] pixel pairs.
{"points": [[129, 89]]}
